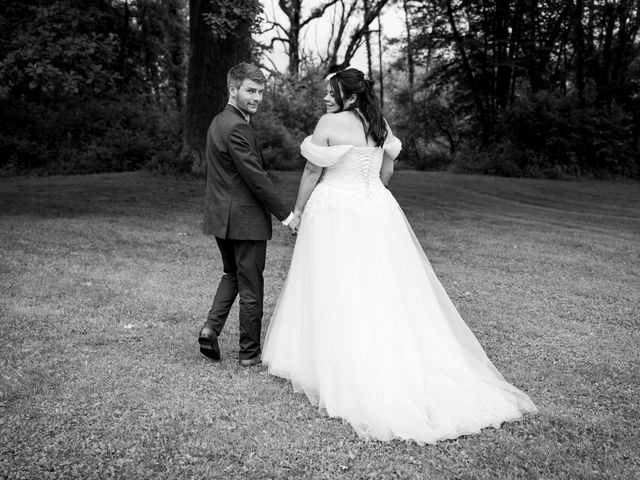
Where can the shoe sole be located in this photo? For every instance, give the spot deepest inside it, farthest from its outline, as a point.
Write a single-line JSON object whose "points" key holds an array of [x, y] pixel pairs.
{"points": [[209, 350], [250, 364]]}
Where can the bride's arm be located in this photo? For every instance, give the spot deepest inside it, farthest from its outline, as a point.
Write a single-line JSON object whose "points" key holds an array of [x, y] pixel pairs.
{"points": [[310, 176], [388, 160], [386, 170], [311, 173]]}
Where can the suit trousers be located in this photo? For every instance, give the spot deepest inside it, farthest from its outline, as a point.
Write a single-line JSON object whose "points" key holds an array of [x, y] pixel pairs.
{"points": [[243, 263]]}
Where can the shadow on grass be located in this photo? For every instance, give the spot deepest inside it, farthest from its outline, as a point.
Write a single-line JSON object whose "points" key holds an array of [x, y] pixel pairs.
{"points": [[106, 280]]}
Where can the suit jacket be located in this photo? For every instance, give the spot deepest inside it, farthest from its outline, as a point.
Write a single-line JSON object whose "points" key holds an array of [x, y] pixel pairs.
{"points": [[240, 197]]}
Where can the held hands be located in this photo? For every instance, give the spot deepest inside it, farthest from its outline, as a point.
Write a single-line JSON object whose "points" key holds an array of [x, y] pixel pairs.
{"points": [[294, 224]]}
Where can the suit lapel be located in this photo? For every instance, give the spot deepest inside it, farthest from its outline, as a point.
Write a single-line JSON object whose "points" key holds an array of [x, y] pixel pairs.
{"points": [[259, 152], [235, 110], [256, 147]]}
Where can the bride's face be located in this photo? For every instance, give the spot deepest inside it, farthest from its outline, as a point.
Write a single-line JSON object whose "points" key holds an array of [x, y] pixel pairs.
{"points": [[330, 101]]}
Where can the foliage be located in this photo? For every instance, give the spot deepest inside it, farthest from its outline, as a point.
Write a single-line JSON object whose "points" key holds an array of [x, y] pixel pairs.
{"points": [[280, 146], [543, 89], [56, 50], [552, 133], [89, 86], [289, 112], [111, 134], [546, 88], [220, 38], [550, 136], [227, 15]]}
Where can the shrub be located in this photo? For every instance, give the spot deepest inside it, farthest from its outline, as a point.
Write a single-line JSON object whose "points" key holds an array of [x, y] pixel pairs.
{"points": [[289, 113], [85, 136], [280, 145], [552, 136], [432, 157]]}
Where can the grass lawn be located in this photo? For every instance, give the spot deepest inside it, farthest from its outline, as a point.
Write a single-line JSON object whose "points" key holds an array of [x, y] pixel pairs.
{"points": [[106, 280]]}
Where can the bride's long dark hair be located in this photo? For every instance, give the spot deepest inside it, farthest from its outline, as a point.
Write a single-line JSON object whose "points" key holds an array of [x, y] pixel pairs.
{"points": [[352, 81]]}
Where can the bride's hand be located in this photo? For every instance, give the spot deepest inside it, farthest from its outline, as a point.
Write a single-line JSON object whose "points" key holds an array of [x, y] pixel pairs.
{"points": [[294, 224]]}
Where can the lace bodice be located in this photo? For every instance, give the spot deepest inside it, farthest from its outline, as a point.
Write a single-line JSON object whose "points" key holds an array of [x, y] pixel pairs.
{"points": [[350, 180], [358, 169], [346, 166]]}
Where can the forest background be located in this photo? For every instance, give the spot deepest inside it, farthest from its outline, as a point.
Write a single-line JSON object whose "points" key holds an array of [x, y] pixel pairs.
{"points": [[536, 88]]}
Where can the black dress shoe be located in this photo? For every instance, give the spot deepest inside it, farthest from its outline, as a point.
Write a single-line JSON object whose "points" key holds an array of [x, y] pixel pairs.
{"points": [[208, 340], [250, 362]]}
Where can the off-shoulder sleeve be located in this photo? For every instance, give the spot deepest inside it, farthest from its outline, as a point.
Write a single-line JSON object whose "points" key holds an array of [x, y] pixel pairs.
{"points": [[322, 156], [392, 147]]}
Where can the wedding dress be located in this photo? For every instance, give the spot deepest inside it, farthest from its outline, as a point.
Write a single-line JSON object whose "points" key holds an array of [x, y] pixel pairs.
{"points": [[364, 328]]}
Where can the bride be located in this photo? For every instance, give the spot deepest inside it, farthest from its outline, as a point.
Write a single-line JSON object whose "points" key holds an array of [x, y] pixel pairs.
{"points": [[363, 326]]}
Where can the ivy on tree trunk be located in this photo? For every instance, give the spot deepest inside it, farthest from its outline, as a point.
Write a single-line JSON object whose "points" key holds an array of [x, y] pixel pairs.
{"points": [[220, 37]]}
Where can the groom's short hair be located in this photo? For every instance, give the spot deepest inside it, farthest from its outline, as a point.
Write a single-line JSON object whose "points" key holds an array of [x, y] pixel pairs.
{"points": [[244, 71]]}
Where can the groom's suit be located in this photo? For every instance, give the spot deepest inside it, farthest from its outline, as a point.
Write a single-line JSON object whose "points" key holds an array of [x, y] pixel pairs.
{"points": [[239, 201]]}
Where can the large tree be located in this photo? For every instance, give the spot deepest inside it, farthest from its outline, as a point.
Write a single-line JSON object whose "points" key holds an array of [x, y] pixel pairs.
{"points": [[220, 37]]}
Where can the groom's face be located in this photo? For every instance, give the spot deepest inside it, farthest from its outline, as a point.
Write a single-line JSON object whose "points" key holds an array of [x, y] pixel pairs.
{"points": [[247, 96]]}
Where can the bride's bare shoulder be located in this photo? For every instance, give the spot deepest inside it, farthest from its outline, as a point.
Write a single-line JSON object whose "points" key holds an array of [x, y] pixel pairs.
{"points": [[324, 124], [334, 125], [331, 121], [344, 116], [326, 119]]}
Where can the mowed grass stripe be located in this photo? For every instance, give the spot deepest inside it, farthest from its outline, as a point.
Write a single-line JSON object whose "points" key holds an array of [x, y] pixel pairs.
{"points": [[106, 280]]}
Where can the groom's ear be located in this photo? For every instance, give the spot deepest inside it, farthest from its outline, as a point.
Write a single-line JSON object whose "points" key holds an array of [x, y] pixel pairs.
{"points": [[233, 91]]}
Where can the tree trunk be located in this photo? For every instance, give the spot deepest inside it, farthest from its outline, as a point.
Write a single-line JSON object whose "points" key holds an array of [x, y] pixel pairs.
{"points": [[381, 72], [367, 39], [514, 45], [410, 62], [607, 53], [635, 133], [294, 37], [356, 37], [534, 69], [210, 59], [579, 49], [176, 44], [621, 48], [123, 52], [473, 84], [294, 55], [291, 36], [503, 65]]}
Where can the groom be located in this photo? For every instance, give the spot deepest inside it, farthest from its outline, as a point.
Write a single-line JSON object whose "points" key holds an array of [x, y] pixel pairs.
{"points": [[239, 201]]}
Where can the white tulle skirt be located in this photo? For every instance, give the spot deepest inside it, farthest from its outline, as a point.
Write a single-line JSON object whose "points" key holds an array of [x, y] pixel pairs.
{"points": [[364, 328]]}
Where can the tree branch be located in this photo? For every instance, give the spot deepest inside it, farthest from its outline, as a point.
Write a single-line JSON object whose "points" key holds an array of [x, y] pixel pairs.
{"points": [[285, 6], [276, 25], [318, 12], [342, 25], [358, 34], [272, 41]]}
